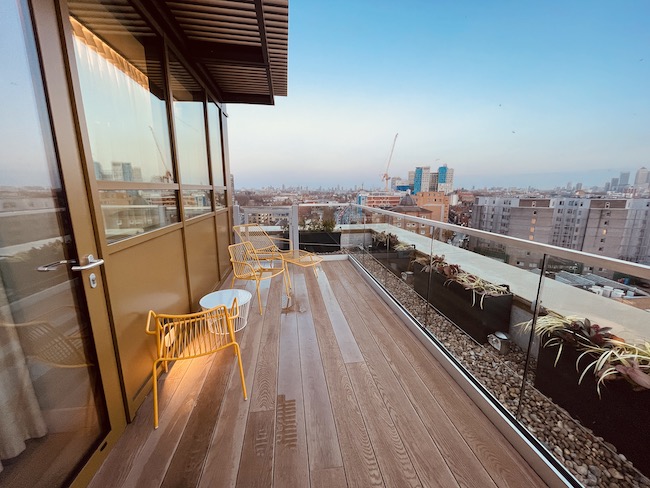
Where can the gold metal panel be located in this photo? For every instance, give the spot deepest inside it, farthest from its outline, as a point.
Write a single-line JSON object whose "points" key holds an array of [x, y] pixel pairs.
{"points": [[147, 276], [223, 241], [201, 245]]}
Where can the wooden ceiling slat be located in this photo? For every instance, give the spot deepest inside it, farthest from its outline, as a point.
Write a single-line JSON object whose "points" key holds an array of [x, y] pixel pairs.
{"points": [[227, 32]]}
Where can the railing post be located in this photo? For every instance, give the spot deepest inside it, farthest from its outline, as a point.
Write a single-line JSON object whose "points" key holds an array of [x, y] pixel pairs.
{"points": [[536, 311], [236, 215], [294, 233]]}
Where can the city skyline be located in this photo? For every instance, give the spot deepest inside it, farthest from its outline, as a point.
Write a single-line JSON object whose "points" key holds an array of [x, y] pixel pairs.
{"points": [[539, 181], [511, 90]]}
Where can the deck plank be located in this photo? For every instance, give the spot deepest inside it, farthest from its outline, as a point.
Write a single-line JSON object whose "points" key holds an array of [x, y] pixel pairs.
{"points": [[126, 452], [361, 466], [228, 438], [453, 450], [344, 338], [256, 465], [290, 460], [394, 462], [322, 439], [266, 370], [422, 450], [186, 465], [154, 459], [505, 465], [328, 478]]}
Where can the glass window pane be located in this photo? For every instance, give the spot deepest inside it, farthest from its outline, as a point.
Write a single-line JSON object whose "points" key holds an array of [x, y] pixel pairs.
{"points": [[196, 202], [51, 397], [214, 125], [132, 212], [189, 125], [123, 98], [220, 199]]}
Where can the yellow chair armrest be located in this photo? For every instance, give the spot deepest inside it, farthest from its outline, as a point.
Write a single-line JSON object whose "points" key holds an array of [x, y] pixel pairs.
{"points": [[148, 330]]}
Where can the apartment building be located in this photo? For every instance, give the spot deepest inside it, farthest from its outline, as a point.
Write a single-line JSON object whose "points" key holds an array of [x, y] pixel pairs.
{"points": [[608, 227], [435, 201]]}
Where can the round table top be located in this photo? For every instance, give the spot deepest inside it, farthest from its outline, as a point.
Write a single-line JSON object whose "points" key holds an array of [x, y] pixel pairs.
{"points": [[225, 297]]}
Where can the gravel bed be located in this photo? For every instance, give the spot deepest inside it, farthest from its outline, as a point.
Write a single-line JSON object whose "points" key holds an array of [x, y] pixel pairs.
{"points": [[593, 461]]}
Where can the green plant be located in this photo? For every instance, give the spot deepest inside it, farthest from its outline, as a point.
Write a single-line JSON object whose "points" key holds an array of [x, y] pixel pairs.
{"points": [[611, 356], [384, 239], [453, 272]]}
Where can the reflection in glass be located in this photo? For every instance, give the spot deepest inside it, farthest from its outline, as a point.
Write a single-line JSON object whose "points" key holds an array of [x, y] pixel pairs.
{"points": [[196, 202], [189, 125], [52, 411], [131, 212], [220, 199], [216, 155], [124, 107]]}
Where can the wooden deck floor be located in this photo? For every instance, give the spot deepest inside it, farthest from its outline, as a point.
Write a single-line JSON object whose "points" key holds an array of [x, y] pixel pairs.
{"points": [[340, 394]]}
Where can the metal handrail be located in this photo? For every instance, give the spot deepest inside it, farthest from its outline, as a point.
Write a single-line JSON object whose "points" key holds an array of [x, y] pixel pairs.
{"points": [[635, 269], [613, 264]]}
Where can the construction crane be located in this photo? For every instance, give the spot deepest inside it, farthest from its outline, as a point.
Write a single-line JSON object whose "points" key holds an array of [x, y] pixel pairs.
{"points": [[385, 176]]}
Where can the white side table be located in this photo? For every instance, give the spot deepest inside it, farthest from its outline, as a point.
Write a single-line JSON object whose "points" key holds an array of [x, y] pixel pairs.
{"points": [[226, 297]]}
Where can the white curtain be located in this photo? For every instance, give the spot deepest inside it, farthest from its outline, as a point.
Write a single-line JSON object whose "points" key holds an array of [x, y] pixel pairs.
{"points": [[20, 414]]}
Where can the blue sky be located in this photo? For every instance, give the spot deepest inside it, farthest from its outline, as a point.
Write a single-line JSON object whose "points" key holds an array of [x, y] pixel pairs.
{"points": [[502, 92]]}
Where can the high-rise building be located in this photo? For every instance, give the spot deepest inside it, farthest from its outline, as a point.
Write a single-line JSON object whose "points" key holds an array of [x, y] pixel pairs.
{"points": [[642, 176], [433, 182], [422, 179], [411, 178], [445, 179], [624, 178]]}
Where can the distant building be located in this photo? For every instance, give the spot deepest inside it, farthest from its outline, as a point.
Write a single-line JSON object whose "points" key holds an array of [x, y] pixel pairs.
{"points": [[608, 227], [422, 179], [642, 176], [408, 206], [624, 178], [379, 199], [436, 202], [445, 179]]}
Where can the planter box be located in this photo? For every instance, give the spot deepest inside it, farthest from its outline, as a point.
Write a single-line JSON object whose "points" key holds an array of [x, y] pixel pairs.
{"points": [[316, 241], [455, 303], [619, 415], [320, 242], [395, 261]]}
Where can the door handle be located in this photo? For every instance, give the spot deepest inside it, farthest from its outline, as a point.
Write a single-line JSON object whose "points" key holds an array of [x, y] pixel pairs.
{"points": [[92, 263]]}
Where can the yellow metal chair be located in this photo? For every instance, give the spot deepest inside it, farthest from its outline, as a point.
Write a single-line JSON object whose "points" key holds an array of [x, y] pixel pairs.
{"points": [[191, 336], [267, 247], [246, 265]]}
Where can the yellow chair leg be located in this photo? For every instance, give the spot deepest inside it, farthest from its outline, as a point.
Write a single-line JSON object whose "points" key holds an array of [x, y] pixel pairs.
{"points": [[259, 297], [287, 283], [155, 397], [241, 370], [286, 272]]}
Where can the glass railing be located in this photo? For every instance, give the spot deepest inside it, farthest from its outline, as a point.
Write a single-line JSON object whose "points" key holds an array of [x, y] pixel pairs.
{"points": [[557, 339]]}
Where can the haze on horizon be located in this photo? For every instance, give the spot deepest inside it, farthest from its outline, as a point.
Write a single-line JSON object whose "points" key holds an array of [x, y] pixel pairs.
{"points": [[555, 92]]}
